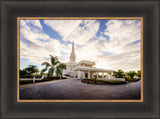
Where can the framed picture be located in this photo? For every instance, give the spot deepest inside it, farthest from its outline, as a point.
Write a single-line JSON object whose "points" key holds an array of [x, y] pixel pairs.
{"points": [[83, 59], [115, 43]]}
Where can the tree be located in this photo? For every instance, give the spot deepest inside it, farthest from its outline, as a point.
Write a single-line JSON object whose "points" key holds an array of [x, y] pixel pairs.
{"points": [[31, 69], [138, 73], [51, 65], [23, 72], [59, 69], [119, 73], [36, 71], [131, 74]]}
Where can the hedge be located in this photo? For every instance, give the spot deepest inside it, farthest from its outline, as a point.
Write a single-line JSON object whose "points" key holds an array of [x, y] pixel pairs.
{"points": [[43, 80], [37, 76], [94, 81], [132, 80]]}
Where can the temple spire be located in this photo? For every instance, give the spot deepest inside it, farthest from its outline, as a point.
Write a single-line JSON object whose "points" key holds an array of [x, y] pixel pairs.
{"points": [[73, 56], [73, 46]]}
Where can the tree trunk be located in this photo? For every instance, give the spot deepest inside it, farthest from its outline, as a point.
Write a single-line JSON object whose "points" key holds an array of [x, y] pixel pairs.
{"points": [[62, 73], [53, 70]]}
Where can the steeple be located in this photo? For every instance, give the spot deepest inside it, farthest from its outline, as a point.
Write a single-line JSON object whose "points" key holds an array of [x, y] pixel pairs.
{"points": [[73, 56], [73, 47]]}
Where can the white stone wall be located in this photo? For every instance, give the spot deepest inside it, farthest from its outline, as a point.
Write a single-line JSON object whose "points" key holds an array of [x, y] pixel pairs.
{"points": [[67, 70]]}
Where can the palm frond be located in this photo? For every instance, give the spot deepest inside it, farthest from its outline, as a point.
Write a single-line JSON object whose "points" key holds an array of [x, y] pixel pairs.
{"points": [[62, 66], [54, 60], [58, 71], [46, 64], [50, 71], [43, 70], [57, 62], [46, 67]]}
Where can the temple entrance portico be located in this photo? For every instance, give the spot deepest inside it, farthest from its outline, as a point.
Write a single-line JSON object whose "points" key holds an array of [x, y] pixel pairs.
{"points": [[90, 72]]}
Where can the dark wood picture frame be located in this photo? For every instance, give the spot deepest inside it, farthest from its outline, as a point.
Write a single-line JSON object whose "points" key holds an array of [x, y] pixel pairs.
{"points": [[147, 9]]}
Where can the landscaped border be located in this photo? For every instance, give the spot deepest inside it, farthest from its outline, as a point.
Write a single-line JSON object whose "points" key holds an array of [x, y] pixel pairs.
{"points": [[74, 18]]}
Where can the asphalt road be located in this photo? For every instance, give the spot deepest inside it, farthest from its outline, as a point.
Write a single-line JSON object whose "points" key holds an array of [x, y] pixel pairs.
{"points": [[72, 89]]}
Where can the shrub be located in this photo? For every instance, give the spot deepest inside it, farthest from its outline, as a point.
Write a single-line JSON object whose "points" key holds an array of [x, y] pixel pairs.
{"points": [[132, 80], [131, 74], [116, 82], [26, 82], [55, 77], [31, 81], [94, 81], [30, 76], [43, 80], [138, 73], [67, 75], [119, 73]]}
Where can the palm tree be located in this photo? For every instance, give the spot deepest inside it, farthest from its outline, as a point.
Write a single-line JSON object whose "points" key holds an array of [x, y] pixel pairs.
{"points": [[138, 73], [131, 74], [51, 66], [59, 69], [36, 71], [119, 73], [22, 72], [31, 69]]}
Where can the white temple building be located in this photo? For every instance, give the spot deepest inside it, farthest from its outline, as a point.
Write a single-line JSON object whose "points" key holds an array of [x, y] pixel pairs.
{"points": [[82, 69]]}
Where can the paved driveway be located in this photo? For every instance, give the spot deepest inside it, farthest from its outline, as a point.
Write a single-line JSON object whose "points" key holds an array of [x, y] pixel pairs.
{"points": [[74, 89]]}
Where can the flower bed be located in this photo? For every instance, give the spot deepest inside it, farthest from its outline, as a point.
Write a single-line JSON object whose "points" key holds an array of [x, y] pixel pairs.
{"points": [[101, 82]]}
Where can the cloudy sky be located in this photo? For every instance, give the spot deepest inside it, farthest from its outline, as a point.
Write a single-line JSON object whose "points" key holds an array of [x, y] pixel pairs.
{"points": [[112, 44]]}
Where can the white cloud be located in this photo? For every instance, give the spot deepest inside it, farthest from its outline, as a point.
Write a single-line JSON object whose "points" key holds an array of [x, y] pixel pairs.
{"points": [[79, 31], [126, 61], [123, 53], [121, 33], [32, 33], [39, 45], [63, 27], [39, 53], [89, 51]]}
